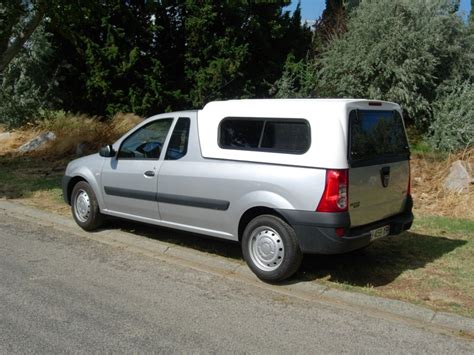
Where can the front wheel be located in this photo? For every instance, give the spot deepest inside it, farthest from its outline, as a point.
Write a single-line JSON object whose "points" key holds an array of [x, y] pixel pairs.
{"points": [[85, 208], [271, 249]]}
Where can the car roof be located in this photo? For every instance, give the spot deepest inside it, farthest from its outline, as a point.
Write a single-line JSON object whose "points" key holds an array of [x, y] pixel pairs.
{"points": [[296, 102]]}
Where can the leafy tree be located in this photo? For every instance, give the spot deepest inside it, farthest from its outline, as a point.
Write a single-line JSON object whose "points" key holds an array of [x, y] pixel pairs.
{"points": [[237, 49], [272, 36], [331, 24], [118, 56], [214, 55], [148, 56], [297, 79], [28, 84], [471, 17], [299, 74]]}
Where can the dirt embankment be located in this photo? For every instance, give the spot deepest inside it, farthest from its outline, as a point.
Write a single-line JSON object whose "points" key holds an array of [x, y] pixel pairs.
{"points": [[428, 174]]}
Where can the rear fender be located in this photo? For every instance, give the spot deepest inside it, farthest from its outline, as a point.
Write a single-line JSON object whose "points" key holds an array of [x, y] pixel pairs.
{"points": [[254, 199]]}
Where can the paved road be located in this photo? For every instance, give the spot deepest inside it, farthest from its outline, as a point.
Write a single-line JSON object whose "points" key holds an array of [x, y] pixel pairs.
{"points": [[60, 292]]}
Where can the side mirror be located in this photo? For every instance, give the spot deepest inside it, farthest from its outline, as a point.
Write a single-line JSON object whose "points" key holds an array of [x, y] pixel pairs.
{"points": [[107, 151]]}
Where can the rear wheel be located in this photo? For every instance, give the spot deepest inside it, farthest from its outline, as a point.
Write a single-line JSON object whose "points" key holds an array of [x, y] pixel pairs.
{"points": [[85, 208], [270, 248]]}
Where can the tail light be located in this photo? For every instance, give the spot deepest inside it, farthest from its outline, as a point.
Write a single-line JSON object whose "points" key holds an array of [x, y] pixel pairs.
{"points": [[335, 196]]}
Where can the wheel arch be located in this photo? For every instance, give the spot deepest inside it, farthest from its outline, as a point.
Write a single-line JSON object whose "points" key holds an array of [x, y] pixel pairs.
{"points": [[88, 178], [70, 186], [254, 212]]}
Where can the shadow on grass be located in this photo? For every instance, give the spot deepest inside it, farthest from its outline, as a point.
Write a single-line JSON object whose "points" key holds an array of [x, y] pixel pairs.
{"points": [[22, 176], [377, 265], [381, 262]]}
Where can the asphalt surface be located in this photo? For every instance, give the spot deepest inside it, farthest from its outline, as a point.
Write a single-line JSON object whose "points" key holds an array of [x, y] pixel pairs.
{"points": [[61, 293]]}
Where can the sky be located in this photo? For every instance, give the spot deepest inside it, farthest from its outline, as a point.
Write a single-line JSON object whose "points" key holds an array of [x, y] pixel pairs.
{"points": [[312, 9]]}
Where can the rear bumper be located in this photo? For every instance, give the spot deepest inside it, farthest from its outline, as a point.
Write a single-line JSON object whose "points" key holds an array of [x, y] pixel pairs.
{"points": [[316, 231]]}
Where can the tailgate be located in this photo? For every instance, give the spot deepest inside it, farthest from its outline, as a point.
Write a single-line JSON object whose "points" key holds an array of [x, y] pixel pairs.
{"points": [[369, 199], [379, 165]]}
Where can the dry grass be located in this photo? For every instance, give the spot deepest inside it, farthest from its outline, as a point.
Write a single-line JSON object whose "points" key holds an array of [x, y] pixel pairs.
{"points": [[16, 139], [49, 200], [70, 130], [90, 131], [428, 174]]}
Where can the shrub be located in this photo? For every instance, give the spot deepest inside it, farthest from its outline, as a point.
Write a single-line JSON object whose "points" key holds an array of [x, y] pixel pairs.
{"points": [[297, 80], [453, 124]]}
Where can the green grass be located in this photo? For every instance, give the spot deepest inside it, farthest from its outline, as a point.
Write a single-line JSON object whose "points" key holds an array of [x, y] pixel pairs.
{"points": [[421, 147], [430, 265], [23, 178], [445, 225]]}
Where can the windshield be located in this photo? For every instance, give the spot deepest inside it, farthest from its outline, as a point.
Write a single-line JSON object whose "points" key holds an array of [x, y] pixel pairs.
{"points": [[377, 136]]}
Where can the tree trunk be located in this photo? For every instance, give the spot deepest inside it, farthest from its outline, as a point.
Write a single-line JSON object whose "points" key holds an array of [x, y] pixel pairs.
{"points": [[13, 49]]}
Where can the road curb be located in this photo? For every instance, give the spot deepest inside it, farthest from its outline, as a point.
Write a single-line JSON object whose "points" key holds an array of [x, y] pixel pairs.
{"points": [[442, 322]]}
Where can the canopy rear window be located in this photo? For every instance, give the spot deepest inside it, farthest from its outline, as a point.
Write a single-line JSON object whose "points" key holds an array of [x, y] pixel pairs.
{"points": [[376, 137]]}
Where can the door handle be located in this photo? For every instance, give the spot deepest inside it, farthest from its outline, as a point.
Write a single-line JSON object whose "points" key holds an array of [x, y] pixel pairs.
{"points": [[385, 175], [149, 173]]}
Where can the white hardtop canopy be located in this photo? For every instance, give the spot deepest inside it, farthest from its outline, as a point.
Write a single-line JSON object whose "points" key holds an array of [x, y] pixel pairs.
{"points": [[328, 119]]}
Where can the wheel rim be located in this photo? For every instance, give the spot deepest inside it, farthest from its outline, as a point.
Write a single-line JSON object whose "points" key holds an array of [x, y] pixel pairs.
{"points": [[82, 206], [266, 248]]}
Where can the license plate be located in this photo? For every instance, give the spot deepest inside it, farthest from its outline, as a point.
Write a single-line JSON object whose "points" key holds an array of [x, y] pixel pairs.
{"points": [[380, 232]]}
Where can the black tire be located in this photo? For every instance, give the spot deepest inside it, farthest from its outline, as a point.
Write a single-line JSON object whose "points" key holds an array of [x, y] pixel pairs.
{"points": [[271, 249], [83, 198]]}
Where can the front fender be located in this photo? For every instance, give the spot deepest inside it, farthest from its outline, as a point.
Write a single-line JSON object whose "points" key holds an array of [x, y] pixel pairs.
{"points": [[88, 169]]}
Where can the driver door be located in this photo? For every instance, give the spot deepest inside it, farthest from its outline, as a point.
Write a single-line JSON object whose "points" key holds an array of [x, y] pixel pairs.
{"points": [[130, 179]]}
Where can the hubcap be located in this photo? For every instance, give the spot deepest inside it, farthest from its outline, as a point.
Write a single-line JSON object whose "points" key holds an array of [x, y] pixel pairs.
{"points": [[82, 206], [266, 248]]}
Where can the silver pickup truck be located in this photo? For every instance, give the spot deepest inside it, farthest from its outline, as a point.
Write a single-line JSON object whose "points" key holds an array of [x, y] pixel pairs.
{"points": [[282, 177]]}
